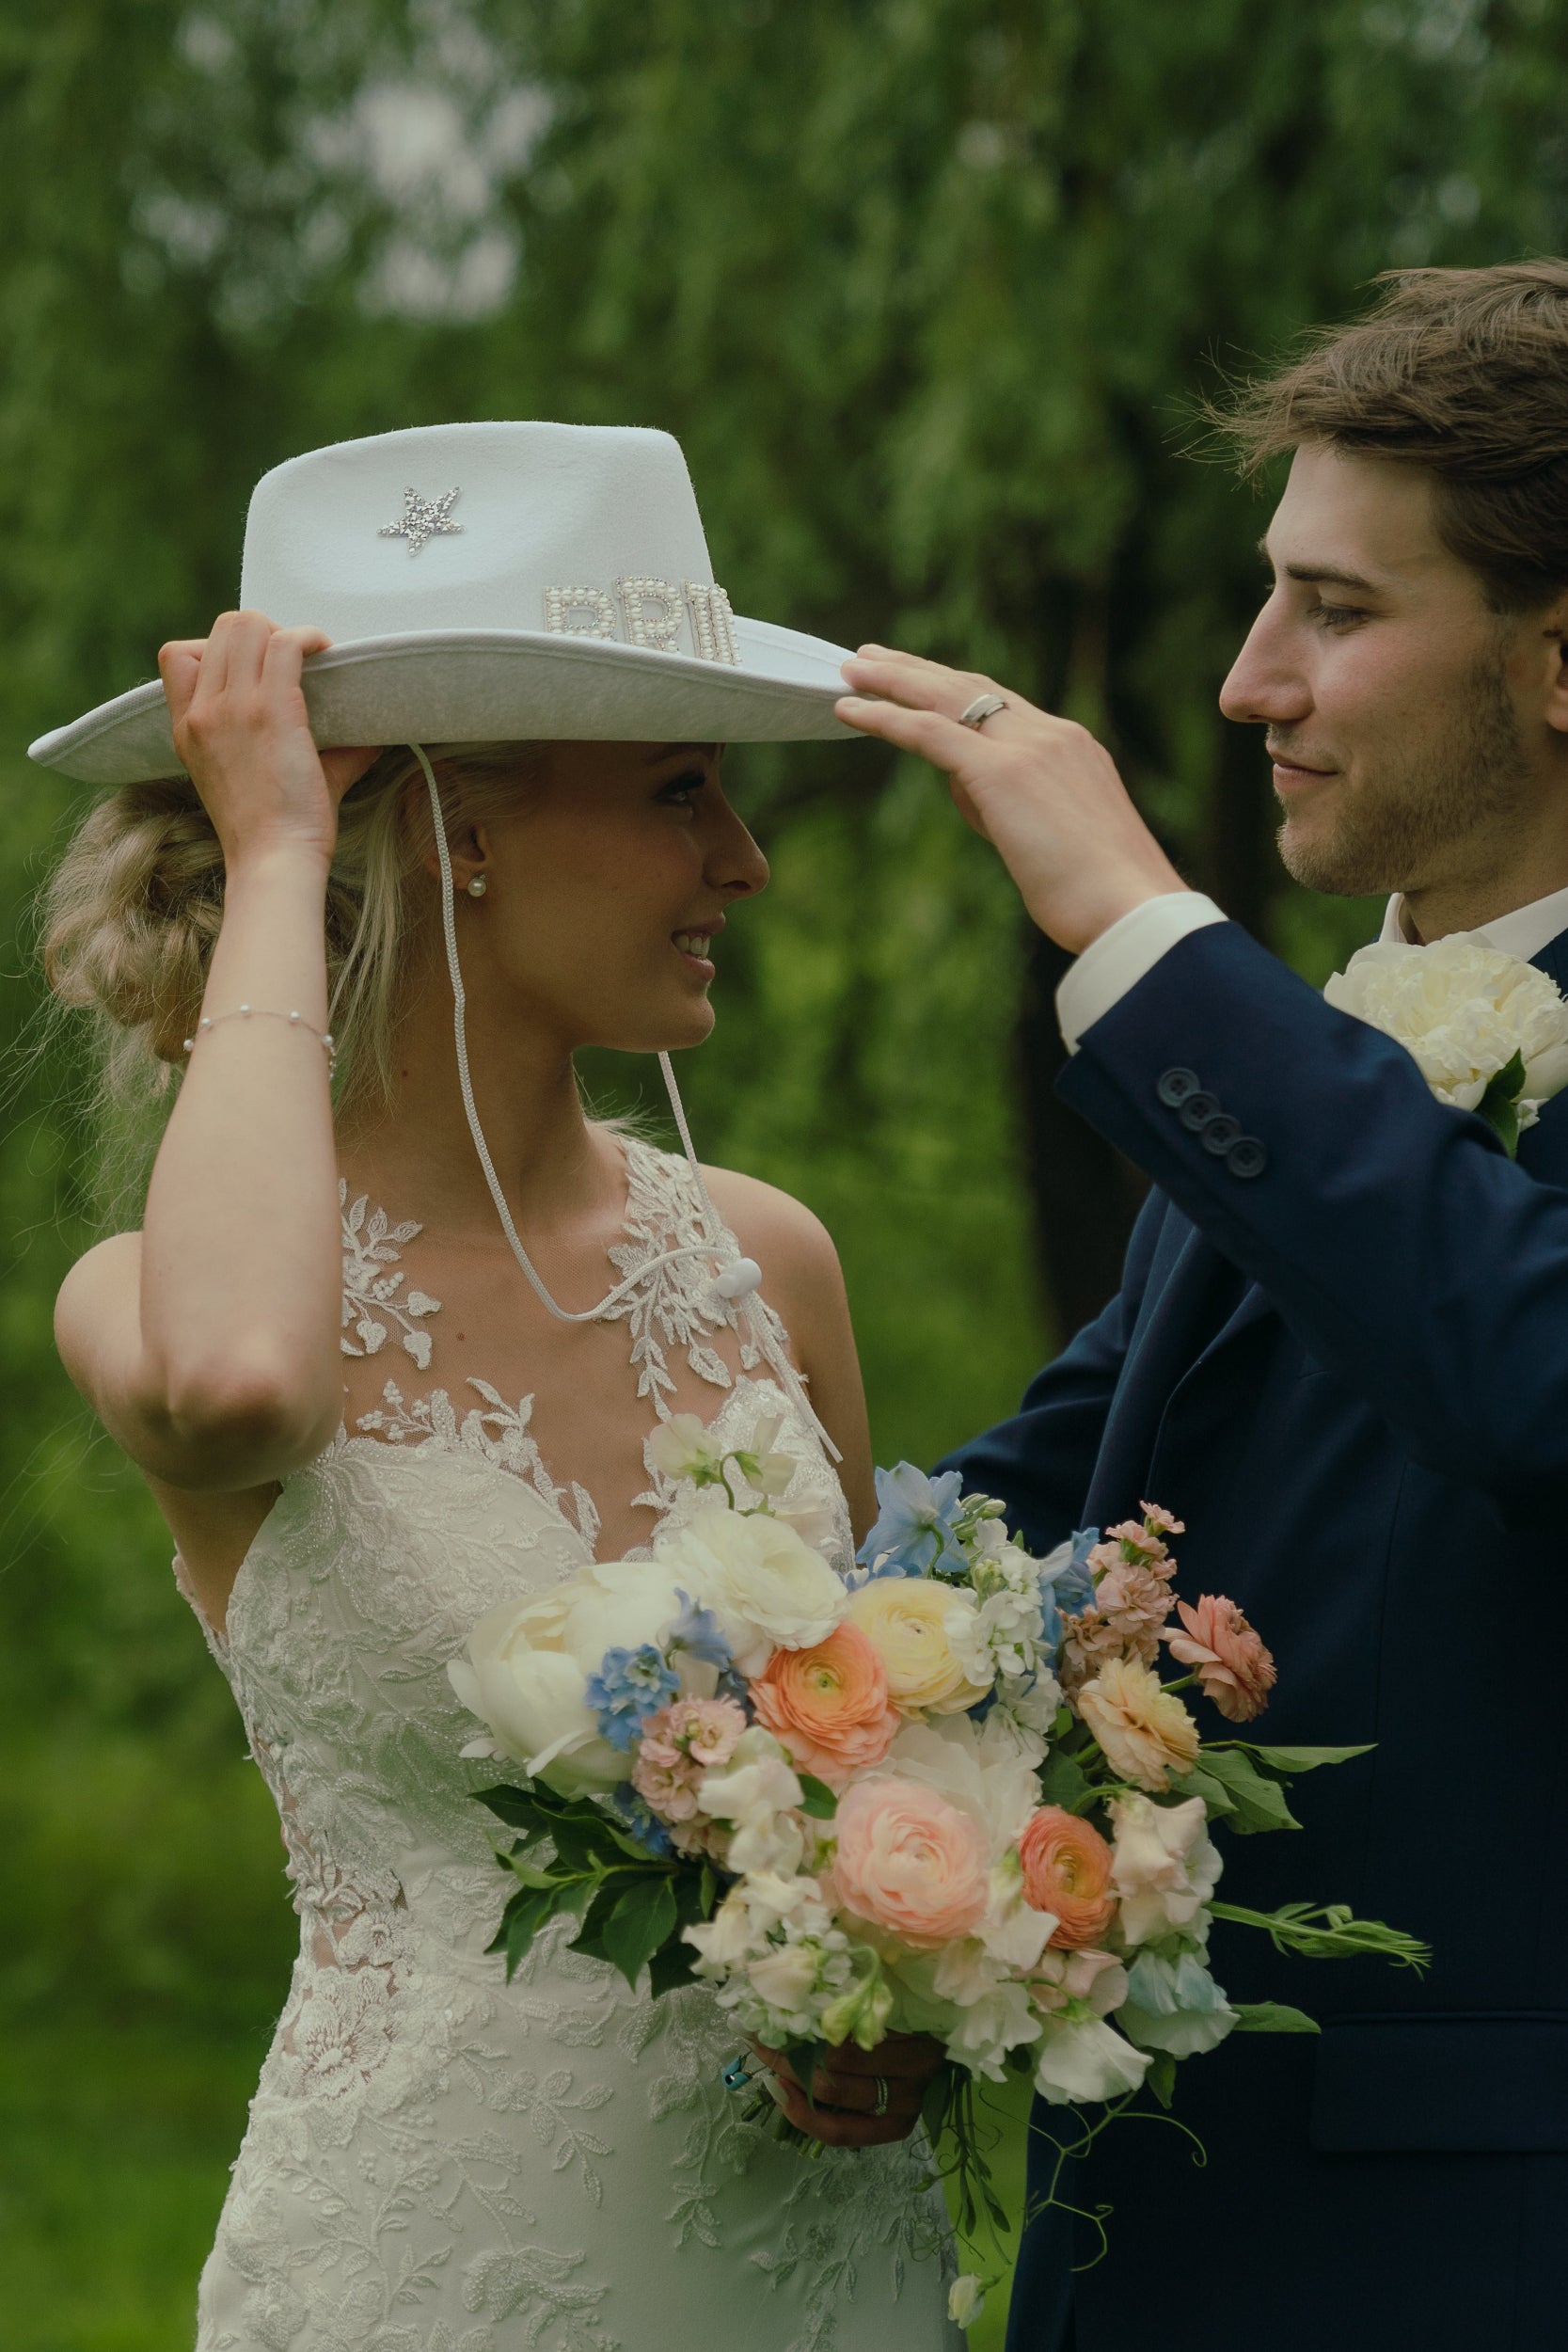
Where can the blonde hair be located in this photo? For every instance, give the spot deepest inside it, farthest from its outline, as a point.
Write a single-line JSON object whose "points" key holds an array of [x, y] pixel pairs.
{"points": [[130, 915]]}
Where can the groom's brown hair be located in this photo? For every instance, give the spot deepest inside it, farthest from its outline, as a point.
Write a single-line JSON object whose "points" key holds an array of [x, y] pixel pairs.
{"points": [[1463, 371]]}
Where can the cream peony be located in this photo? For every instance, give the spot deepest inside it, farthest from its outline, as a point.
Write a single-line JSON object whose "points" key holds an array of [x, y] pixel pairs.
{"points": [[912, 1622], [1462, 1012], [1163, 1865], [768, 1589], [526, 1674]]}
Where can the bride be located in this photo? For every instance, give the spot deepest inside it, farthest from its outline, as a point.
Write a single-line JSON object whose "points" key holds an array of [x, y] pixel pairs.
{"points": [[390, 1354]]}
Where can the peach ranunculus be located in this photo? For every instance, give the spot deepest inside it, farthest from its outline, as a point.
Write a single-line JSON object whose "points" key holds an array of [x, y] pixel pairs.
{"points": [[829, 1705], [1233, 1667], [909, 1862], [1145, 1731], [905, 1620], [1066, 1869]]}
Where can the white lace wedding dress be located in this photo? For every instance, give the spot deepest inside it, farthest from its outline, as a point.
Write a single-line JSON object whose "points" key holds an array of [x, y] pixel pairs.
{"points": [[437, 2161]]}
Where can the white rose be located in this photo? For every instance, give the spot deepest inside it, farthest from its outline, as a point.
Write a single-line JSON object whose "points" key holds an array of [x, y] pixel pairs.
{"points": [[1086, 2061], [768, 1589], [1462, 1012], [1174, 2005], [1165, 1867]]}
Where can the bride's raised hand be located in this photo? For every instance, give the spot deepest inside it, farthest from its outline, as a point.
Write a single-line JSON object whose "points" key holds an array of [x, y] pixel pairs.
{"points": [[1039, 787], [237, 709]]}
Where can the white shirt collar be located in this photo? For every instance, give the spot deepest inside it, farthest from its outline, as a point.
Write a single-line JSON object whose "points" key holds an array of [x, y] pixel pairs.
{"points": [[1523, 933]]}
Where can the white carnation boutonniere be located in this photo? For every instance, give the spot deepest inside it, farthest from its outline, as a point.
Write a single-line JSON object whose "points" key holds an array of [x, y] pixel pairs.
{"points": [[1488, 1032]]}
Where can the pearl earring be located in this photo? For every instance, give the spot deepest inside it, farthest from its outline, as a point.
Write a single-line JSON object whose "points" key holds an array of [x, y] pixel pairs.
{"points": [[478, 886]]}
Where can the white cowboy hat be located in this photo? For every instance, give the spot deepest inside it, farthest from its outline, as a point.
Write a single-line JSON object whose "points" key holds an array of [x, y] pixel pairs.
{"points": [[494, 582]]}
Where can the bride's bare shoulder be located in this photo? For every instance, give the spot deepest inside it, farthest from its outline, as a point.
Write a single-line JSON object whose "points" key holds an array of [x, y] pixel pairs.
{"points": [[786, 1239]]}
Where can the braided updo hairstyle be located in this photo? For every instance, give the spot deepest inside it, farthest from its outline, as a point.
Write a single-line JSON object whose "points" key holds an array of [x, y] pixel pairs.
{"points": [[132, 911]]}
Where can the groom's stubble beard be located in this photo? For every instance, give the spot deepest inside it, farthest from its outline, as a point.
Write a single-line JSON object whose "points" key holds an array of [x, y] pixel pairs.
{"points": [[1468, 782]]}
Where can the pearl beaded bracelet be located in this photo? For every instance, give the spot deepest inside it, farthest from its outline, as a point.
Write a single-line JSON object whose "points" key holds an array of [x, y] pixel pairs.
{"points": [[295, 1021]]}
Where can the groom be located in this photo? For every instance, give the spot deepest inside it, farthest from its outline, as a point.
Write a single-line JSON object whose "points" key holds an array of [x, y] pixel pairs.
{"points": [[1341, 1354]]}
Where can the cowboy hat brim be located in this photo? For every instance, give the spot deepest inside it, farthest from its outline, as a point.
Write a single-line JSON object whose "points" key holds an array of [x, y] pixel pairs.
{"points": [[481, 686]]}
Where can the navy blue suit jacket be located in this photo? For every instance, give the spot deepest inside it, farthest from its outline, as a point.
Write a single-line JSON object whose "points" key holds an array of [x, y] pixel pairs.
{"points": [[1343, 1358]]}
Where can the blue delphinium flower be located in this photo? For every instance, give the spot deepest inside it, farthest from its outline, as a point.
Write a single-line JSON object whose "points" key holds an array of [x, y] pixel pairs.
{"points": [[916, 1534], [630, 1685], [1066, 1586], [632, 1812], [697, 1632]]}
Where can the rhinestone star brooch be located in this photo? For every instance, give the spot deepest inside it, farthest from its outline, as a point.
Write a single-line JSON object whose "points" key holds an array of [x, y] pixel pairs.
{"points": [[421, 518]]}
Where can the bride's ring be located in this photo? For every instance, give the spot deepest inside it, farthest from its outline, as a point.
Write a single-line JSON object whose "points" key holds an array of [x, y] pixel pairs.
{"points": [[984, 706], [880, 2103]]}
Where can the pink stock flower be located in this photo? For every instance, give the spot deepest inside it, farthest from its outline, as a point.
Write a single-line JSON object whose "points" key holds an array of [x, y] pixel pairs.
{"points": [[1155, 1515], [909, 1862], [829, 1705], [1233, 1667], [668, 1789], [1132, 1601], [1066, 1869], [707, 1840], [677, 1746], [706, 1729]]}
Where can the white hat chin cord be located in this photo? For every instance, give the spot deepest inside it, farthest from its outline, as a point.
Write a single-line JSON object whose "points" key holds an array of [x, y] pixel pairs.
{"points": [[738, 1283]]}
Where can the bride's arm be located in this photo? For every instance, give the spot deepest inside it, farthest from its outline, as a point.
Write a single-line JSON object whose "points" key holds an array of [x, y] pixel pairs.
{"points": [[208, 1344], [802, 1282]]}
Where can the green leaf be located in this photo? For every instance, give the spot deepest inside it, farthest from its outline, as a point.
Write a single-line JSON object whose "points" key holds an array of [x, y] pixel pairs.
{"points": [[638, 1924], [707, 1890], [1063, 1782], [519, 1808], [817, 1797], [585, 1839], [521, 1921], [607, 1895], [1498, 1105], [1292, 1760], [1257, 1802], [1273, 2017], [528, 1873], [1161, 2076], [670, 1967], [1197, 1783]]}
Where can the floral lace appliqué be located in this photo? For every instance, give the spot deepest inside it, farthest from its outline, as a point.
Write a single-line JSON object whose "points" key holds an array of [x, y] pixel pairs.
{"points": [[370, 1295]]}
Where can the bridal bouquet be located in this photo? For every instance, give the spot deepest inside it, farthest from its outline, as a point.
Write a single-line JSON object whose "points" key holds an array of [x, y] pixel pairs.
{"points": [[953, 1796]]}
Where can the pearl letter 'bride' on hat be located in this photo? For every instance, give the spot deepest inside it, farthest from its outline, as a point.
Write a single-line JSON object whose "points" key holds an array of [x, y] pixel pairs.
{"points": [[496, 582]]}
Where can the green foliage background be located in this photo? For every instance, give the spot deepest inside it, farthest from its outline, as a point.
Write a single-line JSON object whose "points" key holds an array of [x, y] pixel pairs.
{"points": [[927, 287]]}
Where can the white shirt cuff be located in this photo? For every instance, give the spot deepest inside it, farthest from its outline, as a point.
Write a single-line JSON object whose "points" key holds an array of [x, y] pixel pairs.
{"points": [[1119, 959]]}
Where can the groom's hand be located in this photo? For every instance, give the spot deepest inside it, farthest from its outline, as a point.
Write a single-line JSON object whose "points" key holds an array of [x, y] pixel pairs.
{"points": [[1039, 788], [850, 2084]]}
